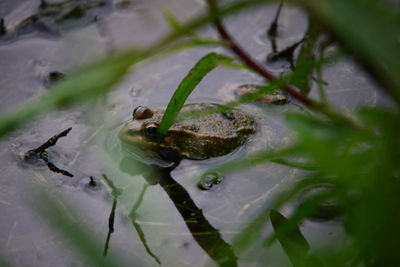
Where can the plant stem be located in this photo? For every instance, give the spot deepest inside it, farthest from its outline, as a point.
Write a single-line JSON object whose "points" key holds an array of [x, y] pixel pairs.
{"points": [[268, 74]]}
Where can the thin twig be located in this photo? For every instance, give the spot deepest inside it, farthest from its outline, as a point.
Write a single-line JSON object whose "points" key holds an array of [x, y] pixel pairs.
{"points": [[273, 29], [55, 169], [51, 142], [40, 152], [115, 193], [3, 29], [111, 219]]}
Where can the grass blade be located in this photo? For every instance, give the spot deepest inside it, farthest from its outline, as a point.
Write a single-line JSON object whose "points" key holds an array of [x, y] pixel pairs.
{"points": [[186, 87]]}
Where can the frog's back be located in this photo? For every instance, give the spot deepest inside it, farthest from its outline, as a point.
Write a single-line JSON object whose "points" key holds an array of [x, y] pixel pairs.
{"points": [[214, 133]]}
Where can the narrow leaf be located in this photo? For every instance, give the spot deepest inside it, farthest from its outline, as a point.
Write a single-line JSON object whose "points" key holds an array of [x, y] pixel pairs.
{"points": [[186, 87], [294, 243]]}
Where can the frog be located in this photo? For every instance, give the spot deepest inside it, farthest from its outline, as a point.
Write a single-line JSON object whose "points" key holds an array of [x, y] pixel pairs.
{"points": [[196, 137]]}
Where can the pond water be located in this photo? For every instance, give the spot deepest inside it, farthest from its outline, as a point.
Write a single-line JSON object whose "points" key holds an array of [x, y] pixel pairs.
{"points": [[163, 229]]}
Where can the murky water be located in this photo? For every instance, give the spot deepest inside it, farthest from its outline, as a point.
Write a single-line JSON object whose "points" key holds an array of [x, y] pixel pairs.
{"points": [[93, 149]]}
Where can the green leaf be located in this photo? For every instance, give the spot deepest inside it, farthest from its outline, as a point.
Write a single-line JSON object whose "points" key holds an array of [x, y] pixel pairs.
{"points": [[186, 87], [306, 61]]}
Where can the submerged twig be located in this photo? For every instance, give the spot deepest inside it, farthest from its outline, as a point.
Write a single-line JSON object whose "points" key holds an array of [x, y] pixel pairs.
{"points": [[3, 29], [273, 29], [110, 226], [55, 169], [115, 193], [40, 152], [51, 142]]}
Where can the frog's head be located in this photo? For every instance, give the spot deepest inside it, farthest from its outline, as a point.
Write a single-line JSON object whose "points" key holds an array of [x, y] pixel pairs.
{"points": [[142, 129], [139, 137]]}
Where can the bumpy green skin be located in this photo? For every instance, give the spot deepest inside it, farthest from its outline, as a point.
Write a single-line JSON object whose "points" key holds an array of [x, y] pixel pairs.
{"points": [[201, 137]]}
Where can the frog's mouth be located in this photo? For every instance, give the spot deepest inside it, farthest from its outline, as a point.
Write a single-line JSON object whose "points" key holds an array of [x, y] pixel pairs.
{"points": [[146, 150], [136, 140]]}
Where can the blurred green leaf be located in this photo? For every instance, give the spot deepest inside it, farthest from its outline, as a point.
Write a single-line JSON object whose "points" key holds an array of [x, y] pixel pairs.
{"points": [[186, 87], [178, 26], [369, 30], [306, 61], [300, 165]]}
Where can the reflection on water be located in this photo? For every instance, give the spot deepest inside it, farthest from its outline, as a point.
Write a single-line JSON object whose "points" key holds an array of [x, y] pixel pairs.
{"points": [[202, 231]]}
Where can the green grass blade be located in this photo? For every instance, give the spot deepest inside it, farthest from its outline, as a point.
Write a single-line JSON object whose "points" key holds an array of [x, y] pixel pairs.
{"points": [[186, 87]]}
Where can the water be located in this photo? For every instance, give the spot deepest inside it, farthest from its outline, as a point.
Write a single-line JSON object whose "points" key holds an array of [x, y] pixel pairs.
{"points": [[93, 149]]}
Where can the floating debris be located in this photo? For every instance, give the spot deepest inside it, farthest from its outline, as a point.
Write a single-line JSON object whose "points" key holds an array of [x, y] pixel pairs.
{"points": [[208, 181], [40, 153], [55, 76], [92, 182], [3, 29]]}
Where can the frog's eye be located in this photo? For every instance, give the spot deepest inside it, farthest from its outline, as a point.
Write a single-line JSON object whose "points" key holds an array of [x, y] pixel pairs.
{"points": [[141, 113], [150, 128]]}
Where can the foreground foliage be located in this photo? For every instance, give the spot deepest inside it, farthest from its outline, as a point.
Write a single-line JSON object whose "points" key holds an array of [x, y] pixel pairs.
{"points": [[351, 161]]}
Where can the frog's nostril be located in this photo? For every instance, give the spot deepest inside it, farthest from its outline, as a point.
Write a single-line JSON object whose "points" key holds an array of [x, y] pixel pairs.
{"points": [[130, 132]]}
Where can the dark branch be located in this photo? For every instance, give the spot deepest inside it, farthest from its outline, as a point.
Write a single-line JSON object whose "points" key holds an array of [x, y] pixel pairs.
{"points": [[273, 29], [40, 152], [246, 58], [51, 142]]}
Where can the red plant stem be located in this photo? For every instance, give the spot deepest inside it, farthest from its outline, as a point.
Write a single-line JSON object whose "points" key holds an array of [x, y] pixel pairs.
{"points": [[246, 58]]}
